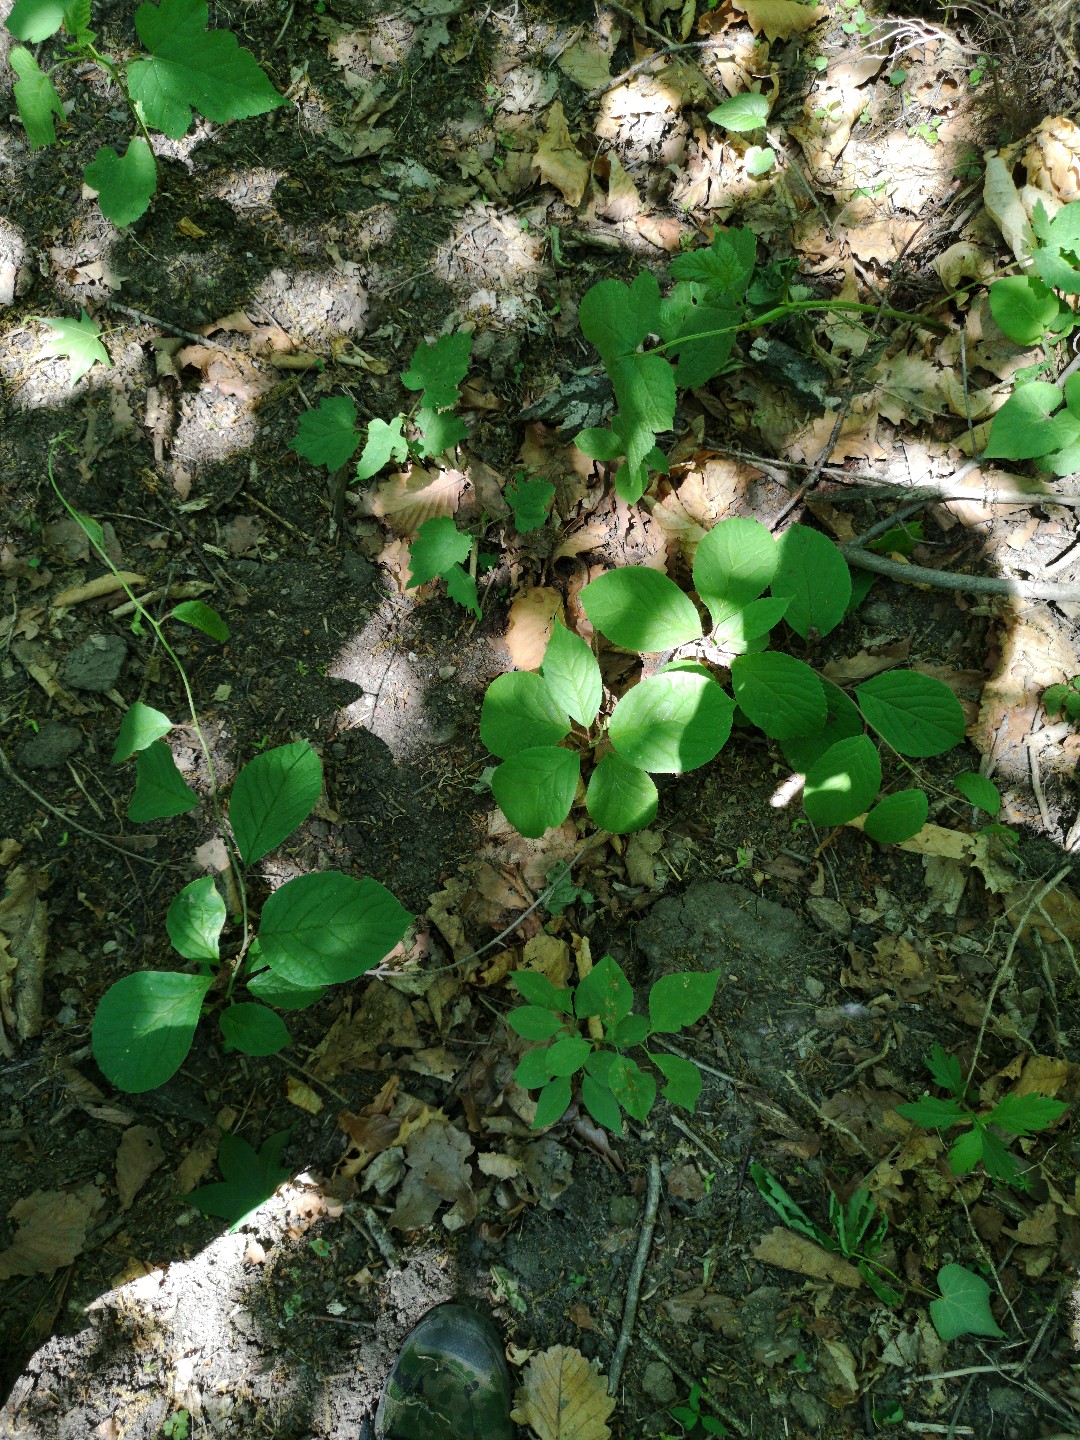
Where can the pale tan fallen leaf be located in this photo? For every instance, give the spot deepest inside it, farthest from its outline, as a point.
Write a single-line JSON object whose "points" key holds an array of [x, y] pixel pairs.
{"points": [[623, 201], [563, 1397], [437, 1160], [23, 941], [52, 1227], [137, 1157], [410, 497], [302, 1096], [557, 159], [780, 19], [1003, 205], [586, 64], [532, 617], [1052, 158], [789, 1251], [837, 1369]]}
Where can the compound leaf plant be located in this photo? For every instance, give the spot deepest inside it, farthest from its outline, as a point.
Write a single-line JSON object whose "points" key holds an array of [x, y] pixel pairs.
{"points": [[542, 724]]}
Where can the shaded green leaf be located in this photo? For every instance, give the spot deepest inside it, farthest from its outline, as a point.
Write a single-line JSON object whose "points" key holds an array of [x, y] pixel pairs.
{"points": [[125, 183], [676, 1001], [327, 435], [683, 1080], [552, 1103], [144, 1025], [201, 617], [439, 544], [842, 720], [964, 1307], [520, 712], [634, 1088], [898, 817], [253, 1029], [621, 797], [601, 1104], [36, 100], [251, 1178], [814, 573], [915, 714], [385, 442], [779, 694], [605, 991], [439, 369], [195, 919], [979, 790], [536, 787], [160, 789], [843, 783], [77, 342], [273, 794]]}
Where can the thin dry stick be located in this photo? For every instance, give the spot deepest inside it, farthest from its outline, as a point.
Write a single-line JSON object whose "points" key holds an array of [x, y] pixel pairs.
{"points": [[637, 1270], [640, 65], [947, 580]]}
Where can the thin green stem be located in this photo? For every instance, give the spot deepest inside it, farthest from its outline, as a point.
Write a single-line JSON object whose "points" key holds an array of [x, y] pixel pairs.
{"points": [[116, 75], [799, 307]]}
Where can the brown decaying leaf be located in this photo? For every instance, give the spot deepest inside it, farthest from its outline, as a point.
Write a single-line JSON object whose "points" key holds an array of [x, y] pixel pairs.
{"points": [[563, 1397], [795, 1252], [52, 1226], [557, 159], [137, 1157], [23, 934], [779, 19], [410, 497], [532, 617]]}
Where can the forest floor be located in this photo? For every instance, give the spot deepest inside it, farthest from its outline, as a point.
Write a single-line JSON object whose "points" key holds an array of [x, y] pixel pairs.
{"points": [[442, 166]]}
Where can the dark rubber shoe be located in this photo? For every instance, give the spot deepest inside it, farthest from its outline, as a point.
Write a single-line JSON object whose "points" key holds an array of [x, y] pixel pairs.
{"points": [[450, 1382]]}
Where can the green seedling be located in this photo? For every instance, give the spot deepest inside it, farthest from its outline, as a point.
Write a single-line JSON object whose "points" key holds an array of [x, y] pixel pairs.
{"points": [[610, 1080], [855, 1229], [1016, 1115], [964, 1306], [691, 1417], [530, 500], [544, 724], [328, 434], [314, 930], [440, 552], [1063, 701], [979, 70], [184, 66], [250, 1178], [177, 1426], [564, 892]]}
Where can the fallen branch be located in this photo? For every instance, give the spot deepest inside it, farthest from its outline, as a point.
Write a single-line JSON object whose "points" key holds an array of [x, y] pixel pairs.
{"points": [[637, 1270], [947, 580]]}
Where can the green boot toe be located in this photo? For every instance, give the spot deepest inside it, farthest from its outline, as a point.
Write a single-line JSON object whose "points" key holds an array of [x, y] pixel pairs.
{"points": [[450, 1382]]}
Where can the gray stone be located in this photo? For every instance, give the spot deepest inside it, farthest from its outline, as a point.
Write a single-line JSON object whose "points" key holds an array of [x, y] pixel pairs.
{"points": [[829, 916], [50, 747], [659, 1383], [358, 569], [95, 665]]}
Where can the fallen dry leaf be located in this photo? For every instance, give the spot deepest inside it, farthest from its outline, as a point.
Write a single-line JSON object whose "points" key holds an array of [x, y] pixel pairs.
{"points": [[410, 497], [557, 159], [137, 1157], [52, 1226], [779, 19], [795, 1252], [563, 1397], [532, 617]]}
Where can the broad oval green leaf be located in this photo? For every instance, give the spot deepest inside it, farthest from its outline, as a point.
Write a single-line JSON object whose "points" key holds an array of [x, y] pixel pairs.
{"points": [[739, 629], [683, 1080], [779, 694], [144, 1025], [634, 1088], [601, 1104], [672, 722], [621, 797], [271, 989], [125, 183], [606, 992], [552, 1103], [534, 1022], [915, 714], [843, 783], [537, 989], [676, 1001], [641, 609], [842, 720], [568, 1055], [140, 727], [201, 617], [253, 1029], [535, 788], [602, 445], [1026, 427], [520, 712], [814, 573], [897, 818], [979, 790], [326, 928], [195, 920], [572, 675], [742, 113], [160, 789], [35, 20], [273, 794], [1023, 307], [734, 563]]}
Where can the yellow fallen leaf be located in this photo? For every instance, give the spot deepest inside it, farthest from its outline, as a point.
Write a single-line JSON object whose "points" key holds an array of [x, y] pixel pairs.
{"points": [[558, 160], [779, 19], [564, 1397]]}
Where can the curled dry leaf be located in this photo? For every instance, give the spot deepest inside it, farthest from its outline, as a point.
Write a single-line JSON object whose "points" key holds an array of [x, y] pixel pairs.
{"points": [[52, 1226], [558, 160], [789, 1251], [564, 1397]]}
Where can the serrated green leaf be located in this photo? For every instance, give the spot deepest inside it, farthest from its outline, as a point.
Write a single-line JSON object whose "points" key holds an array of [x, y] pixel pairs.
{"points": [[683, 1080], [536, 787], [640, 609], [78, 342], [530, 500], [915, 714], [964, 1307], [779, 694], [385, 442], [190, 66], [439, 369], [844, 782], [676, 1001], [440, 430], [125, 183], [1026, 1114], [144, 1025], [461, 587], [699, 331], [602, 445], [140, 727], [253, 1029], [725, 267], [606, 992], [520, 712], [601, 1104], [250, 1178], [201, 617], [36, 99], [672, 722], [979, 790], [931, 1113], [35, 20], [621, 797], [813, 572], [742, 113], [634, 1088], [644, 387], [439, 544], [195, 919], [271, 989], [998, 1163], [326, 928], [160, 789], [273, 794], [898, 817], [617, 318], [327, 435], [552, 1103], [572, 675], [734, 563]]}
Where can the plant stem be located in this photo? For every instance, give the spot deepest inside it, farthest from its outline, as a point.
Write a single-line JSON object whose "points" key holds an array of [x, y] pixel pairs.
{"points": [[799, 307]]}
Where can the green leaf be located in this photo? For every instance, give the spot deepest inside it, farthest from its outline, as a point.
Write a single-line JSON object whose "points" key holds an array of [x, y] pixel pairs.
{"points": [[570, 671], [779, 694], [676, 1001], [683, 1080], [77, 22], [672, 722], [326, 928], [36, 99], [644, 387], [327, 435], [552, 1103], [189, 66], [461, 587], [947, 1071], [160, 789], [601, 1104], [760, 160], [915, 714], [253, 1029], [272, 795], [982, 792], [140, 727], [195, 920], [385, 442], [439, 544], [634, 1088], [602, 445], [250, 1178], [742, 113], [77, 342], [617, 318], [1025, 427], [35, 20], [271, 989], [530, 501], [814, 573], [599, 1063], [125, 183], [201, 617], [534, 1022], [144, 1025], [1023, 307], [843, 783], [843, 720], [621, 797], [440, 430], [606, 992], [898, 817], [734, 563], [631, 1030], [1025, 1114], [964, 1307], [738, 627], [538, 990], [998, 1163], [931, 1113], [567, 1056], [534, 1068], [439, 369], [640, 609], [725, 267], [966, 1151], [520, 712], [688, 313], [789, 1211], [535, 788]]}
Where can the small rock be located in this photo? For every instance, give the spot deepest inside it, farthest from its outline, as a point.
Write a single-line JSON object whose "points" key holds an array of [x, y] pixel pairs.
{"points": [[50, 747], [623, 1211], [447, 672], [95, 665], [659, 1383], [814, 988], [358, 569], [877, 613], [829, 916]]}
